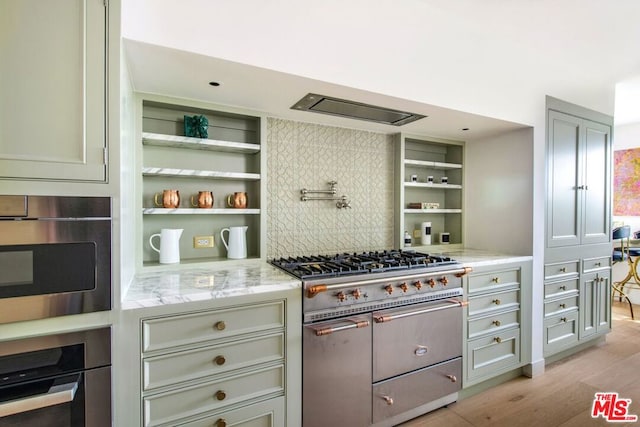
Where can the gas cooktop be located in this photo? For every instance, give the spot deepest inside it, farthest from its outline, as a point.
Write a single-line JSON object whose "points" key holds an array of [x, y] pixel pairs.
{"points": [[346, 264]]}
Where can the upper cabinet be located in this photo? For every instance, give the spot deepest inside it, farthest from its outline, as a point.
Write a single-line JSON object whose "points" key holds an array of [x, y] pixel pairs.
{"points": [[53, 64], [579, 173], [198, 184], [428, 190]]}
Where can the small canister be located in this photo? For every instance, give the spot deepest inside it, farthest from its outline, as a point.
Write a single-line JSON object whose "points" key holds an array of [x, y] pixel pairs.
{"points": [[444, 180]]}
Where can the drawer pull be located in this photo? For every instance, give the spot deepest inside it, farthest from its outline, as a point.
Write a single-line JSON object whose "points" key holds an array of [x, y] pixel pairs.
{"points": [[221, 326], [598, 264], [453, 378], [220, 395], [388, 399], [221, 422], [563, 305], [496, 301], [496, 322], [563, 270], [563, 288], [496, 280], [219, 360], [421, 350], [498, 340], [563, 319]]}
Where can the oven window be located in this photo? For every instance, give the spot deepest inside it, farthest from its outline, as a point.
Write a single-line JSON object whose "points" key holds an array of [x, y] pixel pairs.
{"points": [[47, 268]]}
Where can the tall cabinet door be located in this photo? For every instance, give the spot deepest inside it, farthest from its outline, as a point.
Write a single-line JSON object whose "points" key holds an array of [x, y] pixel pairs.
{"points": [[596, 175], [52, 89], [564, 167]]}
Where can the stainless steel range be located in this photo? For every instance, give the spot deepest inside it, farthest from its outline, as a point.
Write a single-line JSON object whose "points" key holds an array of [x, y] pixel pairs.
{"points": [[382, 336]]}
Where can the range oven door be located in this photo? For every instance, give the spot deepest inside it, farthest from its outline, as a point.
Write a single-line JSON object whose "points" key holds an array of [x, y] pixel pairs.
{"points": [[336, 375], [416, 336]]}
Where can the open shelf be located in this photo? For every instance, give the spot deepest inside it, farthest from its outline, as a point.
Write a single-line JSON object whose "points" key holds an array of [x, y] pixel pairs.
{"points": [[194, 173], [199, 211], [433, 185], [433, 165], [177, 141]]}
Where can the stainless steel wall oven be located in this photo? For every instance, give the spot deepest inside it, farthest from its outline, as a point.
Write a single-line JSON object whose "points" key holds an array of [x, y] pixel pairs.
{"points": [[59, 380], [55, 256]]}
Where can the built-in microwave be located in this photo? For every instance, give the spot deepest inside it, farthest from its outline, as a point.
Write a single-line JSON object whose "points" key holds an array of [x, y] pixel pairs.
{"points": [[55, 256]]}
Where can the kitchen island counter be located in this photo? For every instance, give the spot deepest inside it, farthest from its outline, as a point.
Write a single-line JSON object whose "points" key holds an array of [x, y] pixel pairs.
{"points": [[182, 283], [476, 257]]}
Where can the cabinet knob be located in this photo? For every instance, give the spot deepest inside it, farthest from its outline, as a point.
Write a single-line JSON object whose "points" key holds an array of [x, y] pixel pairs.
{"points": [[498, 340], [598, 264], [220, 325], [563, 305], [220, 395], [496, 322], [563, 270], [220, 360], [495, 280], [496, 301], [563, 319], [221, 422], [563, 288], [453, 378], [388, 399]]}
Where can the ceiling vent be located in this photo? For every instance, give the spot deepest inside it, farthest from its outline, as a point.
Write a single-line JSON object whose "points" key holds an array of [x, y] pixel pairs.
{"points": [[354, 110]]}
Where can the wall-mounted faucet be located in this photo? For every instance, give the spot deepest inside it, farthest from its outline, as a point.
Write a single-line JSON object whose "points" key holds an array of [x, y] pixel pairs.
{"points": [[342, 201]]}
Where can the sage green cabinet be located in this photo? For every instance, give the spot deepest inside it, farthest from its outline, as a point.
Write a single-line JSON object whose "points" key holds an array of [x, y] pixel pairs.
{"points": [[497, 325], [53, 89], [579, 171], [595, 303]]}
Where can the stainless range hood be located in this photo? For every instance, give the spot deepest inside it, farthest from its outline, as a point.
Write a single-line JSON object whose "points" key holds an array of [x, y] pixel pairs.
{"points": [[354, 110]]}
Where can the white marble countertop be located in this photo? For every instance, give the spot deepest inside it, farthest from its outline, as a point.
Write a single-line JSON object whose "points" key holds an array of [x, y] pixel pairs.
{"points": [[180, 284], [184, 283]]}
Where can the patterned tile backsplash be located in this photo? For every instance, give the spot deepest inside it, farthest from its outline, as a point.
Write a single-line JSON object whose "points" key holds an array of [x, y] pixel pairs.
{"points": [[304, 155]]}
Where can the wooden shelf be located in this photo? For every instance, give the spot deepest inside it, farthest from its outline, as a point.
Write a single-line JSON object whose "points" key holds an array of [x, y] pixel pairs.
{"points": [[433, 185], [432, 211], [193, 173], [199, 211], [177, 141], [432, 165]]}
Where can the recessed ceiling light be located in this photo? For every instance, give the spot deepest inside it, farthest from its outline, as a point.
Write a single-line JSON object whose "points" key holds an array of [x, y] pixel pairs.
{"points": [[214, 83], [465, 128]]}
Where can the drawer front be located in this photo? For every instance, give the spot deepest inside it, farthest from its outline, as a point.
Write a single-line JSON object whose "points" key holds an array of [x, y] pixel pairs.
{"points": [[494, 280], [557, 306], [169, 407], [558, 270], [594, 264], [201, 362], [490, 355], [560, 331], [174, 331], [493, 302], [264, 414], [493, 323], [561, 287], [409, 391]]}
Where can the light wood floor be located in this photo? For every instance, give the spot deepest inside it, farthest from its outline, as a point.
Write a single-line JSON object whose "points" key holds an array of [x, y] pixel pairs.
{"points": [[563, 395]]}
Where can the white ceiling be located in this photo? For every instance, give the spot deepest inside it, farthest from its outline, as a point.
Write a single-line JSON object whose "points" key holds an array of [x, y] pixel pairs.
{"points": [[491, 58]]}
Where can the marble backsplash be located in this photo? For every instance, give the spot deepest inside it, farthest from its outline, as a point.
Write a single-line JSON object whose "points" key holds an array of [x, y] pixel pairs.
{"points": [[305, 155]]}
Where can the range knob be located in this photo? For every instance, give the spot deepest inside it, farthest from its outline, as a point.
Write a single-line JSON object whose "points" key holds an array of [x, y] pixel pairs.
{"points": [[341, 296], [403, 286], [417, 284], [356, 293], [444, 280], [389, 289], [431, 282]]}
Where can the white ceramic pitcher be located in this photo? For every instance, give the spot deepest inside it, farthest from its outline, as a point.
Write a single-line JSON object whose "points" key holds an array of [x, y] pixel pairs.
{"points": [[169, 245], [237, 246]]}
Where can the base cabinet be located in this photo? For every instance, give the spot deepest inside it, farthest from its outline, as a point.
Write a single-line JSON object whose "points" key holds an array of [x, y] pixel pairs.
{"points": [[495, 323], [223, 367]]}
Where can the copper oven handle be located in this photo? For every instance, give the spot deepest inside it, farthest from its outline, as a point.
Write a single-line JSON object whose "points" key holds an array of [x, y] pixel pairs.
{"points": [[355, 324], [57, 394], [452, 304], [314, 290]]}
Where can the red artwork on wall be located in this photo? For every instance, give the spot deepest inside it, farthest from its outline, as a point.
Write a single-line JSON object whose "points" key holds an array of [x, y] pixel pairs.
{"points": [[626, 182]]}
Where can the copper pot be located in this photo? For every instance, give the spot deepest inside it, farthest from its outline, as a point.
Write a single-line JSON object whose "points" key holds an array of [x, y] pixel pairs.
{"points": [[169, 199]]}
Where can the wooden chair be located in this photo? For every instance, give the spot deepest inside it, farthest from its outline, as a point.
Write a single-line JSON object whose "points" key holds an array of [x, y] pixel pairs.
{"points": [[623, 252]]}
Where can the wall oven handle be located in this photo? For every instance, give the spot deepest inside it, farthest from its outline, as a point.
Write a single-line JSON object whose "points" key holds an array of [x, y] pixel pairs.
{"points": [[57, 394], [314, 290], [354, 324], [452, 303]]}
